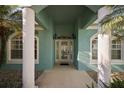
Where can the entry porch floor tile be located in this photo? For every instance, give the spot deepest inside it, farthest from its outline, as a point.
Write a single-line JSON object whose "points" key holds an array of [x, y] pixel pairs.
{"points": [[64, 77]]}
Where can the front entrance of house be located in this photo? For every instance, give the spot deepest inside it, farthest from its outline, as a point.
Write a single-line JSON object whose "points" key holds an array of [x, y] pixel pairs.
{"points": [[64, 51]]}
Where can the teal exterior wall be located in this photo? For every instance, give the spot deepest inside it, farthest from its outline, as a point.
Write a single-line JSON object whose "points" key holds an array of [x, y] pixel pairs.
{"points": [[9, 66], [118, 67], [81, 57], [6, 66], [46, 43], [84, 52], [81, 42], [46, 48], [43, 19], [64, 29]]}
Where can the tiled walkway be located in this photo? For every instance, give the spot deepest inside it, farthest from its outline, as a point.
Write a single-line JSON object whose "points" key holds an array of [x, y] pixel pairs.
{"points": [[64, 77]]}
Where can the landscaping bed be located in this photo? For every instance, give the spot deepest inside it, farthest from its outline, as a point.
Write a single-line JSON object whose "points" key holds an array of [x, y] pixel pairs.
{"points": [[119, 75], [117, 80], [13, 78]]}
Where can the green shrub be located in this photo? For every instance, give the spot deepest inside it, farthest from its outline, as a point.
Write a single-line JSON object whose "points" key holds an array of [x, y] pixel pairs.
{"points": [[115, 83], [13, 78], [10, 83]]}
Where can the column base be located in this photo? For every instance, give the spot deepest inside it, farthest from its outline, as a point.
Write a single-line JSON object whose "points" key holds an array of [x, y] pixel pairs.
{"points": [[35, 86], [30, 87]]}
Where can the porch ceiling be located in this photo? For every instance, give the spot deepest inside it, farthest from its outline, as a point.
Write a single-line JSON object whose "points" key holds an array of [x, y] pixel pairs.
{"points": [[65, 14], [94, 8], [62, 14]]}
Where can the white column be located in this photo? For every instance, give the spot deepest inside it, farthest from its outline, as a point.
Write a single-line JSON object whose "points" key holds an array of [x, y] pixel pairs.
{"points": [[28, 48], [104, 59], [104, 51]]}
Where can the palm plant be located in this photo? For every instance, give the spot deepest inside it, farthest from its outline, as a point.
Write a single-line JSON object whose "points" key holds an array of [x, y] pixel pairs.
{"points": [[115, 21], [10, 20], [115, 83]]}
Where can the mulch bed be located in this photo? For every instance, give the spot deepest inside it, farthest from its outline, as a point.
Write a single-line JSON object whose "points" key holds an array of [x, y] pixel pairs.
{"points": [[93, 75], [13, 78], [119, 75]]}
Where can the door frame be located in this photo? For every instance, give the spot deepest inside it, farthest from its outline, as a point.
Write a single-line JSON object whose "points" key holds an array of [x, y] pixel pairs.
{"points": [[60, 60]]}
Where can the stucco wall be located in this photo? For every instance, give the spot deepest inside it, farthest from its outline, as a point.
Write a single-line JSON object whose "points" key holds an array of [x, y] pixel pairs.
{"points": [[82, 48], [46, 43], [81, 43], [84, 52], [46, 46], [64, 29]]}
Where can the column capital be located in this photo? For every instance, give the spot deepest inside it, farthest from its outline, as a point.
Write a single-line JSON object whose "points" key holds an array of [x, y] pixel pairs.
{"points": [[26, 6], [103, 12]]}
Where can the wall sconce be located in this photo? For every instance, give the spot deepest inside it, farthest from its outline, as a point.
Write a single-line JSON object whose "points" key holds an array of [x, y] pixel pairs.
{"points": [[73, 36], [55, 36]]}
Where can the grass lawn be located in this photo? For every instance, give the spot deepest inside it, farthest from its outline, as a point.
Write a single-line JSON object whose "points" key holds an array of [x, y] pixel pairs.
{"points": [[13, 78]]}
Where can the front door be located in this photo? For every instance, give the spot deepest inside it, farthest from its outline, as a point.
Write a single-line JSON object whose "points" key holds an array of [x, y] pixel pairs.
{"points": [[64, 51]]}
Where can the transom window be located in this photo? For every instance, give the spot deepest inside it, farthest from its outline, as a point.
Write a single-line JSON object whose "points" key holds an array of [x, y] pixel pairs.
{"points": [[16, 47], [115, 49]]}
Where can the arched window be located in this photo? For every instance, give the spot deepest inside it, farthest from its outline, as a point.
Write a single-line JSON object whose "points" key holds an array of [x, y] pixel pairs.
{"points": [[116, 50], [15, 48]]}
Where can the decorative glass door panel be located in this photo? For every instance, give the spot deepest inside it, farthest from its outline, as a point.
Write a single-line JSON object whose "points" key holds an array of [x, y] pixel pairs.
{"points": [[64, 50]]}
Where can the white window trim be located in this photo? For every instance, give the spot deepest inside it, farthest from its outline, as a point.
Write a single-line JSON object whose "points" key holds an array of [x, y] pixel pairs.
{"points": [[18, 61], [113, 61]]}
